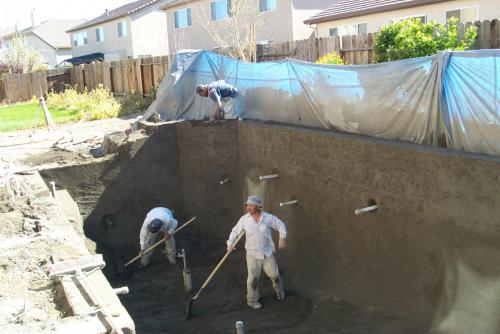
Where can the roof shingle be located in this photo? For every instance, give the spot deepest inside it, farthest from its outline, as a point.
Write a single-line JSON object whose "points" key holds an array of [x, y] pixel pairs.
{"points": [[116, 13], [351, 8], [53, 32]]}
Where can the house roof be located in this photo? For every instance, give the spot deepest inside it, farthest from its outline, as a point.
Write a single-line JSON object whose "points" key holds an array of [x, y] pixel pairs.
{"points": [[53, 32], [351, 8], [117, 13], [85, 59]]}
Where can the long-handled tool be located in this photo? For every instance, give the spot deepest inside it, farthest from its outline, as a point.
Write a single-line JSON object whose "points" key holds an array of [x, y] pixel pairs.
{"points": [[191, 300], [158, 243]]}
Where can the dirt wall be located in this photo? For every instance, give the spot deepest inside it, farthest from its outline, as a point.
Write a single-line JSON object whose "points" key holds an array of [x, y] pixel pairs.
{"points": [[430, 253]]}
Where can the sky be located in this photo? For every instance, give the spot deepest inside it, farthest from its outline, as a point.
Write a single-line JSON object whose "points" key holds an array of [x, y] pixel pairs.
{"points": [[14, 12]]}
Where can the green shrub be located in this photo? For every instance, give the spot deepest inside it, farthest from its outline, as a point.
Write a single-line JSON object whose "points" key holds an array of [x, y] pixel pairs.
{"points": [[412, 38], [134, 103], [332, 58], [99, 103]]}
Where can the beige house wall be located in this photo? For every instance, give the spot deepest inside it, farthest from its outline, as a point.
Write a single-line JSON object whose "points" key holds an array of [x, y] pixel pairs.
{"points": [[149, 33], [113, 46], [273, 25], [487, 10], [301, 30]]}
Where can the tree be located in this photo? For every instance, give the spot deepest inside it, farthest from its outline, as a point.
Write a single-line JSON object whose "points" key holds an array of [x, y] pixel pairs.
{"points": [[19, 57], [412, 38], [236, 34]]}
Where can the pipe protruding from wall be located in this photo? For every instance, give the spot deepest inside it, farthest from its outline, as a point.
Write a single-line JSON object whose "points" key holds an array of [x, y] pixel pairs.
{"points": [[53, 188], [226, 180], [289, 203], [367, 209], [266, 177], [239, 327], [122, 291]]}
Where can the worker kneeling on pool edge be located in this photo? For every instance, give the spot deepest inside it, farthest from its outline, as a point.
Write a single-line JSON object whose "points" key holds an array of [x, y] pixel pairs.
{"points": [[158, 221], [259, 245]]}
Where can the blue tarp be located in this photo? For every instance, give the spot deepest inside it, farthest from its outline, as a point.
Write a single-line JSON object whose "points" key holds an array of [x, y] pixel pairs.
{"points": [[454, 95]]}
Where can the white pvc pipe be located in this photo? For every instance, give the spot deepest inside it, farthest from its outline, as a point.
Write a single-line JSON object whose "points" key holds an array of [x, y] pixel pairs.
{"points": [[367, 209], [289, 203], [272, 176], [18, 187], [239, 327], [53, 188], [11, 194], [224, 181], [121, 291]]}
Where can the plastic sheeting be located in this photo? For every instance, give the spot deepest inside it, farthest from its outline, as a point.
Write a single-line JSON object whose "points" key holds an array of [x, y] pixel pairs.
{"points": [[471, 101], [415, 100]]}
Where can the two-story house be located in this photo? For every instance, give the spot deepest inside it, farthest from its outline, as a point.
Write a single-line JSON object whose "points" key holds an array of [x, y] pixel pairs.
{"points": [[348, 17], [49, 39], [277, 20], [137, 29]]}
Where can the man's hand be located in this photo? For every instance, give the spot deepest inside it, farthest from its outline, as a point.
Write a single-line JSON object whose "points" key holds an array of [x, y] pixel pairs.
{"points": [[230, 249], [141, 253], [281, 243], [166, 236]]}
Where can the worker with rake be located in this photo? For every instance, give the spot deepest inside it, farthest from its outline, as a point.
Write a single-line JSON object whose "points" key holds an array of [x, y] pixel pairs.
{"points": [[259, 244], [158, 221]]}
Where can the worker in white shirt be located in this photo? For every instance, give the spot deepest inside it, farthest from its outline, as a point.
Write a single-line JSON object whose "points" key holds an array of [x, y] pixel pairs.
{"points": [[158, 221], [259, 244]]}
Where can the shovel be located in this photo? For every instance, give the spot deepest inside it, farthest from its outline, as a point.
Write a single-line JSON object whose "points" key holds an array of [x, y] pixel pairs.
{"points": [[212, 274], [158, 243]]}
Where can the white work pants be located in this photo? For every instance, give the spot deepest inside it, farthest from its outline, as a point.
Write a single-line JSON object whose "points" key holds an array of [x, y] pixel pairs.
{"points": [[170, 251], [255, 267]]}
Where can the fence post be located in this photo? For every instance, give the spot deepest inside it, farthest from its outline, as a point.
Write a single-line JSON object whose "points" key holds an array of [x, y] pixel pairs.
{"points": [[46, 114]]}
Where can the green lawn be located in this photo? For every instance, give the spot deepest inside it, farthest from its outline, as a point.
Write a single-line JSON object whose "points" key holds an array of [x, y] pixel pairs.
{"points": [[29, 115]]}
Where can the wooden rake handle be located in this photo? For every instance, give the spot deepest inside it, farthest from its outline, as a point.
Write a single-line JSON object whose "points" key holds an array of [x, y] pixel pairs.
{"points": [[218, 266], [159, 242]]}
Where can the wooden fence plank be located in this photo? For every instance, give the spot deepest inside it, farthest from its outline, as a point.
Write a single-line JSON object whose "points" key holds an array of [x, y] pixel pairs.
{"points": [[147, 75], [495, 34]]}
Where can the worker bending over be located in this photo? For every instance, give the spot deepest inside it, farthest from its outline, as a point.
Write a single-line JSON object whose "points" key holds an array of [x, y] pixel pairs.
{"points": [[221, 93], [159, 221]]}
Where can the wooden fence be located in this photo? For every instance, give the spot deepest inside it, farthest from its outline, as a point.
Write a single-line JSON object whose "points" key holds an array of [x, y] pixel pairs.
{"points": [[358, 49], [141, 75], [120, 77]]}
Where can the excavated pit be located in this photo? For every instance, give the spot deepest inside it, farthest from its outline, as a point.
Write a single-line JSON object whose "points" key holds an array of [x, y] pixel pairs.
{"points": [[425, 262]]}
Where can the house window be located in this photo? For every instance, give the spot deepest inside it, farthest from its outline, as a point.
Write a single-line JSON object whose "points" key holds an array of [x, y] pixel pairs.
{"points": [[99, 34], [362, 29], [182, 18], [122, 29], [334, 31], [267, 5], [468, 14], [422, 18], [221, 9], [80, 38]]}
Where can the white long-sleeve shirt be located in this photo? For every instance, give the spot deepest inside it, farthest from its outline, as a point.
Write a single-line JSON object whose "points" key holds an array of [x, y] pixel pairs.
{"points": [[259, 240], [169, 224]]}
